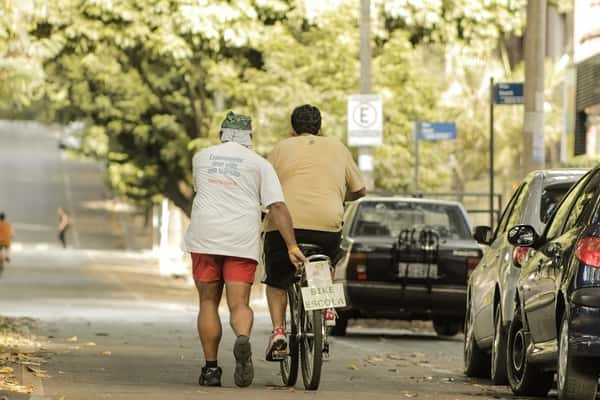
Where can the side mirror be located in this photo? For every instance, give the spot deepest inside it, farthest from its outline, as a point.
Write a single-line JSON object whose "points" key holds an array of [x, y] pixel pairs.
{"points": [[483, 234], [523, 236]]}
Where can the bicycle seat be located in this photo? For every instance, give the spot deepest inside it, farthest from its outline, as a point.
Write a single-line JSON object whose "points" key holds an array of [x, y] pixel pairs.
{"points": [[310, 249]]}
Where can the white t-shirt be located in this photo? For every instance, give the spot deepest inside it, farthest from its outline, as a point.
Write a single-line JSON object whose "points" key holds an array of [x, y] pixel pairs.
{"points": [[232, 184]]}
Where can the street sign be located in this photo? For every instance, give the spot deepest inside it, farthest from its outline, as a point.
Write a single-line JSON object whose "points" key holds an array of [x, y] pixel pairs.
{"points": [[508, 93], [365, 120], [436, 131]]}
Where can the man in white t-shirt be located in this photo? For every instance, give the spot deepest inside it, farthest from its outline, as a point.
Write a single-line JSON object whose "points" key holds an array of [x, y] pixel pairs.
{"points": [[233, 185]]}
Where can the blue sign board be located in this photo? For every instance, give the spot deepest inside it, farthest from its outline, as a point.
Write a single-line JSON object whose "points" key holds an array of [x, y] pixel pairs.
{"points": [[436, 131], [508, 93]]}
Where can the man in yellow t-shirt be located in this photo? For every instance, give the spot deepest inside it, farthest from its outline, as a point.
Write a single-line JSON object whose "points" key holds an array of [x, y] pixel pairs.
{"points": [[6, 234], [317, 175]]}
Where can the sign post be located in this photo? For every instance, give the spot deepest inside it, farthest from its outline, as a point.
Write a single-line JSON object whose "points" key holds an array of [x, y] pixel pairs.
{"points": [[365, 120], [365, 130], [431, 132], [502, 94]]}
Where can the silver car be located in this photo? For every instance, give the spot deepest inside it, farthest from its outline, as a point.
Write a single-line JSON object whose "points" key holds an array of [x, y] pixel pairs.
{"points": [[492, 284]]}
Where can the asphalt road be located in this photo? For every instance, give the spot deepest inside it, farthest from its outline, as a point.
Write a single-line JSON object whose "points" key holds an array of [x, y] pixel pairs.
{"points": [[116, 329], [36, 178]]}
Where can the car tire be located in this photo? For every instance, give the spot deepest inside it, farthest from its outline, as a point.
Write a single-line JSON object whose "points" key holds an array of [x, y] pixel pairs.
{"points": [[577, 378], [525, 379], [498, 362], [341, 325], [446, 328], [476, 362]]}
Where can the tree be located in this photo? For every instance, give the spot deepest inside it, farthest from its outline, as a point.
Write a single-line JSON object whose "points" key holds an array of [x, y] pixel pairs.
{"points": [[144, 75], [20, 73]]}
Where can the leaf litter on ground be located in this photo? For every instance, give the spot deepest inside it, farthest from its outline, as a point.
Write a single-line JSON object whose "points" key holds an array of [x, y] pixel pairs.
{"points": [[18, 346]]}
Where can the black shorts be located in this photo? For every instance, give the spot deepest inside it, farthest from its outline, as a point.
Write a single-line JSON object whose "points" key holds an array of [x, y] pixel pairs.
{"points": [[279, 271]]}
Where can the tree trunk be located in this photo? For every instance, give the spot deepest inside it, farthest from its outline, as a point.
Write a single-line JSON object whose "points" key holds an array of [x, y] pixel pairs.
{"points": [[173, 193]]}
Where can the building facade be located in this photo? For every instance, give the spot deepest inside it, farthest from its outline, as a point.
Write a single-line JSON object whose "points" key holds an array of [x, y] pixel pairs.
{"points": [[586, 49]]}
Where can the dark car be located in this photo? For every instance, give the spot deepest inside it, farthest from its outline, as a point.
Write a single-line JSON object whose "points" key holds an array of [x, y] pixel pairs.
{"points": [[406, 258], [493, 283], [556, 323]]}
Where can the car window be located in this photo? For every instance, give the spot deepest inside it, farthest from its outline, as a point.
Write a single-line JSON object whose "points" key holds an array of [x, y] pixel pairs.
{"points": [[551, 197], [584, 204], [390, 218], [508, 211], [517, 211], [559, 218]]}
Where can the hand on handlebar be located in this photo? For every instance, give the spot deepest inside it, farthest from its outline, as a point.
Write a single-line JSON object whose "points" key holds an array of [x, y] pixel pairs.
{"points": [[296, 257]]}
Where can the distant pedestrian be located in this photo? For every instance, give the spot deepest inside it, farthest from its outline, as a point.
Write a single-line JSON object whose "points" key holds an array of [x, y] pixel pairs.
{"points": [[6, 235], [63, 226], [232, 184]]}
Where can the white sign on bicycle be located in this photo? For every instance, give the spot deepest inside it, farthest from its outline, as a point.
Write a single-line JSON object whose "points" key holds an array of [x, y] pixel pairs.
{"points": [[321, 292], [319, 298]]}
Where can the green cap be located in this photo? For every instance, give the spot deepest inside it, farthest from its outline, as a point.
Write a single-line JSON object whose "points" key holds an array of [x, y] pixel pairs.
{"points": [[237, 121]]}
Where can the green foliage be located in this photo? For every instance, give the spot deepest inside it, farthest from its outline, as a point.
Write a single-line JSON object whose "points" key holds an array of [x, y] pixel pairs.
{"points": [[152, 80], [20, 72], [144, 75]]}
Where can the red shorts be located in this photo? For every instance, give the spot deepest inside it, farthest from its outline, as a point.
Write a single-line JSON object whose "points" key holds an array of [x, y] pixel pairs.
{"points": [[211, 268]]}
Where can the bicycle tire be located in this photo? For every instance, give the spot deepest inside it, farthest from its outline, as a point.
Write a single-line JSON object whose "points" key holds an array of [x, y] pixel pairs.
{"points": [[289, 366], [311, 346]]}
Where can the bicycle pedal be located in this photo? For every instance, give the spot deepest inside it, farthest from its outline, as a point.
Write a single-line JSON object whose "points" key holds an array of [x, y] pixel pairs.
{"points": [[279, 355]]}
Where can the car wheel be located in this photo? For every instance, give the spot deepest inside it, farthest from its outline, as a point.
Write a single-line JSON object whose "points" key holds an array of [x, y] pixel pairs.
{"points": [[525, 379], [577, 377], [477, 363], [446, 328], [498, 365], [341, 324]]}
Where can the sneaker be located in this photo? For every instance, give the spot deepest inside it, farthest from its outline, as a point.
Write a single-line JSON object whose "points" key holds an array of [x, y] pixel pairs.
{"points": [[330, 317], [278, 346], [244, 370], [210, 376]]}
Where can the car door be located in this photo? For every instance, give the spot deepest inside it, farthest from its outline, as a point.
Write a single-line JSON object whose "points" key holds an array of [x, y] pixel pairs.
{"points": [[556, 255], [536, 282], [484, 278]]}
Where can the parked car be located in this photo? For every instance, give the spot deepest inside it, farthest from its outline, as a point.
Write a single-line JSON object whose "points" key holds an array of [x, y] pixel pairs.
{"points": [[493, 283], [408, 259], [556, 323]]}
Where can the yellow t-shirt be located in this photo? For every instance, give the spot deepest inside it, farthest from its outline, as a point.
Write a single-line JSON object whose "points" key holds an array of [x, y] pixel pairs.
{"points": [[315, 173]]}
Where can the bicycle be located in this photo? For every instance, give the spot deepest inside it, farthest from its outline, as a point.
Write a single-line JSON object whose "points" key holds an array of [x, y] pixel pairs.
{"points": [[308, 339]]}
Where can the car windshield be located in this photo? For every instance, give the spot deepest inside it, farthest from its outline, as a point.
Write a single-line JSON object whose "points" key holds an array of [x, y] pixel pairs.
{"points": [[389, 218], [551, 197]]}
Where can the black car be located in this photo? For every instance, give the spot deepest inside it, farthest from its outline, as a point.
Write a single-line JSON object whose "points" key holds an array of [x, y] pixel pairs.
{"points": [[556, 323], [406, 258], [493, 283]]}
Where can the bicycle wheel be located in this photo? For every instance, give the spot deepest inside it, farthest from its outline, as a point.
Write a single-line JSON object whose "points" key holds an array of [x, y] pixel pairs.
{"points": [[311, 346], [289, 366]]}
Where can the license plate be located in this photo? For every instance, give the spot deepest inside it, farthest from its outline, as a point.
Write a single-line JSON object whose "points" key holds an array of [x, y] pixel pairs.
{"points": [[320, 298], [417, 270]]}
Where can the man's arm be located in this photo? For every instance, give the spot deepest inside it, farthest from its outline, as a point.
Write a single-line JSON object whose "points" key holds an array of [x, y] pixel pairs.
{"points": [[351, 196], [283, 221]]}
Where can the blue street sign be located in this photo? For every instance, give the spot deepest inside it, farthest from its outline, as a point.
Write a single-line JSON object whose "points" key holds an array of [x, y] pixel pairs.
{"points": [[508, 93], [436, 131]]}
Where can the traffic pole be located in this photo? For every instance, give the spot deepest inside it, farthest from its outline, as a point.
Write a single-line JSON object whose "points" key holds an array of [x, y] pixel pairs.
{"points": [[365, 153], [535, 50], [491, 172]]}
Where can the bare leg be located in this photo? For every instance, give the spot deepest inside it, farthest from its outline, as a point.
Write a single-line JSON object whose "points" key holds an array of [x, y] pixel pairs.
{"points": [[277, 299], [209, 323], [241, 315], [241, 319]]}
